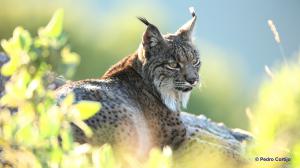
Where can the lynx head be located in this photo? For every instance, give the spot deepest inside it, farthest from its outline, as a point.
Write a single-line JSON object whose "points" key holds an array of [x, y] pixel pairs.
{"points": [[170, 63]]}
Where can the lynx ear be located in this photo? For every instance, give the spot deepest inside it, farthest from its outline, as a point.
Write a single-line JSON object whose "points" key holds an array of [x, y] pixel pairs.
{"points": [[185, 31], [152, 36]]}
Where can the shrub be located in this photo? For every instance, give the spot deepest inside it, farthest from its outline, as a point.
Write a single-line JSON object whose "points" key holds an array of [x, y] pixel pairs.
{"points": [[34, 132]]}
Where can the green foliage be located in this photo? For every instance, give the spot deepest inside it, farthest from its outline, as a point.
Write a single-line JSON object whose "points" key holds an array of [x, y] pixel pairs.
{"points": [[275, 122], [54, 28], [30, 121], [34, 132]]}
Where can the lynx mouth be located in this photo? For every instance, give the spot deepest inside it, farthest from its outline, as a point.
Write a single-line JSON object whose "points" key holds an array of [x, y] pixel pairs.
{"points": [[184, 89]]}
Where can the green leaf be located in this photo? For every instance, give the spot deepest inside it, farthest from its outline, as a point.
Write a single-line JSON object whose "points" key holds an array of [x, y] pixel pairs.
{"points": [[50, 122], [27, 135], [56, 155], [69, 57], [8, 69], [22, 39], [68, 100], [85, 128], [54, 28], [87, 109], [16, 48], [66, 139]]}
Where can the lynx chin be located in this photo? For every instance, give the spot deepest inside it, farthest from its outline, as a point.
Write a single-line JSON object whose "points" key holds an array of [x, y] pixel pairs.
{"points": [[142, 94]]}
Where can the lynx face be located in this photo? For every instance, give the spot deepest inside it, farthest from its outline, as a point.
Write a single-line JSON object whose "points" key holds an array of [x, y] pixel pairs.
{"points": [[170, 63]]}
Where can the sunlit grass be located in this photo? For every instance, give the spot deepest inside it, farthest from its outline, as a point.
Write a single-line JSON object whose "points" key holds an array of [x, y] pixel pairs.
{"points": [[276, 115]]}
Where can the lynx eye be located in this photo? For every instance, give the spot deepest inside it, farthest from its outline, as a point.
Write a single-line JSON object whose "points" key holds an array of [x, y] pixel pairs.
{"points": [[173, 65], [196, 62]]}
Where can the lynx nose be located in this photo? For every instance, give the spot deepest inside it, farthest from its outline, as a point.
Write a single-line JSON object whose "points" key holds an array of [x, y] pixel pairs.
{"points": [[192, 80]]}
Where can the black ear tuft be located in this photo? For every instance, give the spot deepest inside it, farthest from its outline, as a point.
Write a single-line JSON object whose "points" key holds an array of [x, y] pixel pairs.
{"points": [[151, 37], [144, 20], [193, 14], [192, 10]]}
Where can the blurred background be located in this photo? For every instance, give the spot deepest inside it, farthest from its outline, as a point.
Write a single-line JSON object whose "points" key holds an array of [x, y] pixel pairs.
{"points": [[233, 37]]}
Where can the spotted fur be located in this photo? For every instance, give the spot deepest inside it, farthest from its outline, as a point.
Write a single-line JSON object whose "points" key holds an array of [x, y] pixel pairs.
{"points": [[142, 94]]}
